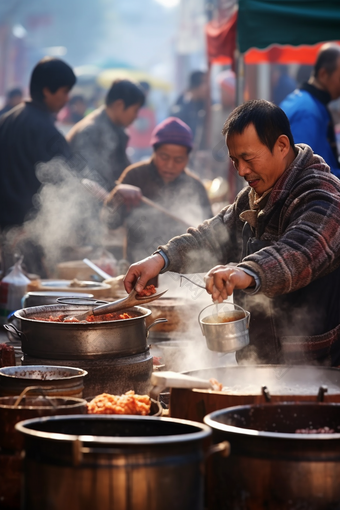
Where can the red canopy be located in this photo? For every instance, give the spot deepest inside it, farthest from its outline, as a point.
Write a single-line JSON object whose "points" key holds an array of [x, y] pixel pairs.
{"points": [[221, 45]]}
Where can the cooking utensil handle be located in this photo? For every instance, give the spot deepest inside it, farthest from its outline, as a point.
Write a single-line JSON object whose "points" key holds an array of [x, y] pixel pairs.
{"points": [[157, 321], [110, 307], [97, 269], [222, 448], [15, 331], [163, 210], [38, 389], [199, 319]]}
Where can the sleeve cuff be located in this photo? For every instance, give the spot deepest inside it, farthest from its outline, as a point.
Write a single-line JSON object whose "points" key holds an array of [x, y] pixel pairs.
{"points": [[165, 258], [252, 290]]}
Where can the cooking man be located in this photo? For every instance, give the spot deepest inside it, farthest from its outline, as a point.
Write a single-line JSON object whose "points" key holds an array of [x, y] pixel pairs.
{"points": [[166, 180], [282, 231]]}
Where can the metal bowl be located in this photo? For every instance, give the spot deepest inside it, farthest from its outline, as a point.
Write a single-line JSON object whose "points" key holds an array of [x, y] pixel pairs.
{"points": [[225, 326], [58, 381]]}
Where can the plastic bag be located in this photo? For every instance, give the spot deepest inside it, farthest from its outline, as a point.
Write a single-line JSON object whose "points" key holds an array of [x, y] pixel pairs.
{"points": [[12, 289]]}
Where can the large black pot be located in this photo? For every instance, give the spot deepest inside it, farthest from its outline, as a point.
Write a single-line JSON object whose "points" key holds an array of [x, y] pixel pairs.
{"points": [[113, 462], [272, 467], [66, 340], [256, 384]]}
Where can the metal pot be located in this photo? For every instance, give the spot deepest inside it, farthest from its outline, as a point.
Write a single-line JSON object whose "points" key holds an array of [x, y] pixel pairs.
{"points": [[120, 462], [15, 409], [61, 340], [270, 466], [225, 327], [39, 298], [57, 381], [255, 385]]}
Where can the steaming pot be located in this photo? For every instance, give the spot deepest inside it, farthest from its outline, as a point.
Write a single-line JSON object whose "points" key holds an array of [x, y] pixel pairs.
{"points": [[270, 466], [255, 385], [66, 340], [121, 462]]}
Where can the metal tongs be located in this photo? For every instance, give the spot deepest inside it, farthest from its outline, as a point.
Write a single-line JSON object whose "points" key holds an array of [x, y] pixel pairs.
{"points": [[116, 306]]}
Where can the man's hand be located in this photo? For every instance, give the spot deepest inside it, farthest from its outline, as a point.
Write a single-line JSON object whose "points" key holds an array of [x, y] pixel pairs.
{"points": [[126, 193], [141, 272], [221, 281]]}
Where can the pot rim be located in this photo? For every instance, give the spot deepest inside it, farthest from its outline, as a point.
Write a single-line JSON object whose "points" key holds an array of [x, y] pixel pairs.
{"points": [[238, 309], [68, 308], [77, 402], [209, 420], [80, 373], [204, 431]]}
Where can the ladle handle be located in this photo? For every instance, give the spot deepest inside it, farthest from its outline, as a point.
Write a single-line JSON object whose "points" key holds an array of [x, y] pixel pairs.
{"points": [[39, 389]]}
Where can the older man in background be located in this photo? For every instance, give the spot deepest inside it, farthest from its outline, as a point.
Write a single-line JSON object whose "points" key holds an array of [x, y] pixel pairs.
{"points": [[165, 180]]}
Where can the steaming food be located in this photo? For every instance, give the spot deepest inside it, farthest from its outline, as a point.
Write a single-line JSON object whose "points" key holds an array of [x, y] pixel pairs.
{"points": [[129, 403], [148, 291], [115, 316], [217, 386], [223, 318]]}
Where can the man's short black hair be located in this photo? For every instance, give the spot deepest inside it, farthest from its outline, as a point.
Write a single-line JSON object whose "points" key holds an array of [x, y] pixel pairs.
{"points": [[51, 73], [14, 93], [327, 58], [130, 93], [269, 121], [196, 79]]}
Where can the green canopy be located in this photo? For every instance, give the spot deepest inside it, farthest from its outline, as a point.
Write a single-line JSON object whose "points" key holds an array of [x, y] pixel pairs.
{"points": [[262, 23]]}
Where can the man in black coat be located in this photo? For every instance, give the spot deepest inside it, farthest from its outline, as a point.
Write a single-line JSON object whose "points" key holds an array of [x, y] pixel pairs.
{"points": [[28, 137]]}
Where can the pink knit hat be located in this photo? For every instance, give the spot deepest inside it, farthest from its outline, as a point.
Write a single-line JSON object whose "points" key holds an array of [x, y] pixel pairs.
{"points": [[172, 130]]}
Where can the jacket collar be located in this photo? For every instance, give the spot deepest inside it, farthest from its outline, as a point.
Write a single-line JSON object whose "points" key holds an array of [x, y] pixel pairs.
{"points": [[322, 95]]}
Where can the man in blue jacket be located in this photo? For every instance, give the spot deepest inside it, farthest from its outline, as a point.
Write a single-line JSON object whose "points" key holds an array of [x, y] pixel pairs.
{"points": [[306, 108]]}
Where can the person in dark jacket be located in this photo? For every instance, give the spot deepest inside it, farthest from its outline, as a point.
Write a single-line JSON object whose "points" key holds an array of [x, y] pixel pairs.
{"points": [[14, 97], [190, 107], [100, 139], [277, 247], [306, 108], [165, 180], [28, 137]]}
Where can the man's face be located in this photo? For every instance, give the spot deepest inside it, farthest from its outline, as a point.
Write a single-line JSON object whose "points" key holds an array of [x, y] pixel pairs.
{"points": [[126, 116], [254, 161], [55, 101], [170, 161], [332, 82]]}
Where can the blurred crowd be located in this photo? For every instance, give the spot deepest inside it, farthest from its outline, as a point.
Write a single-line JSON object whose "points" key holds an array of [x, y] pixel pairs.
{"points": [[153, 176]]}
